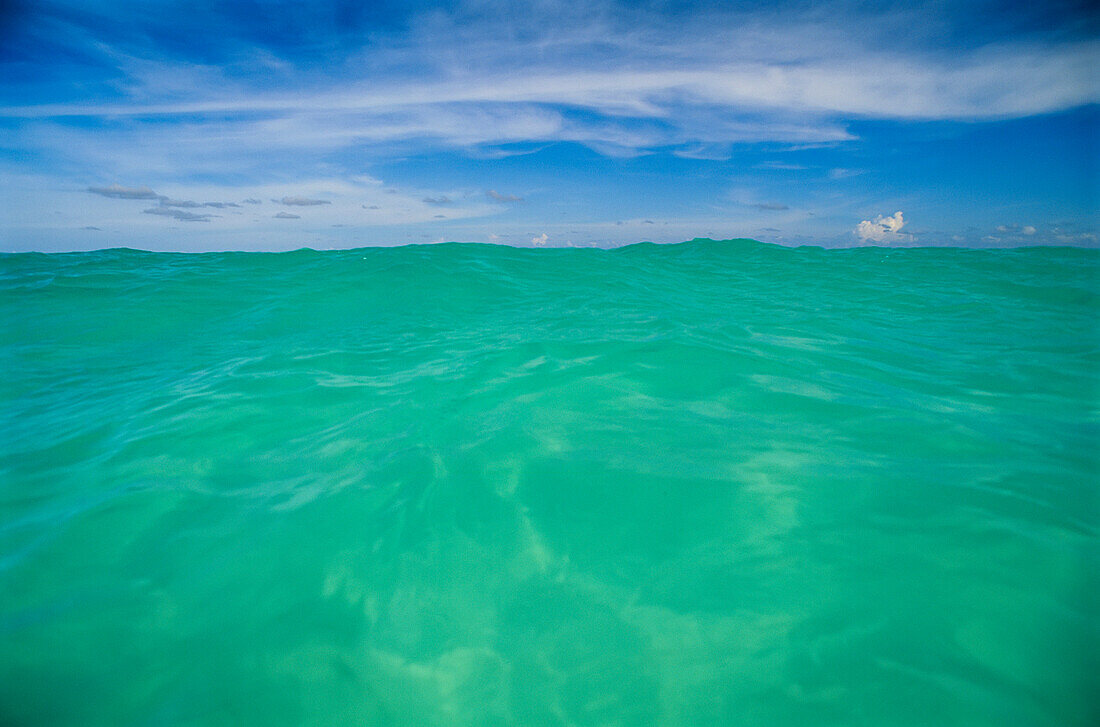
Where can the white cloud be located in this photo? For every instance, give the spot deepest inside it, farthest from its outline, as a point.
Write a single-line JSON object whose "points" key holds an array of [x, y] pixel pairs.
{"points": [[1028, 230], [539, 241], [883, 229]]}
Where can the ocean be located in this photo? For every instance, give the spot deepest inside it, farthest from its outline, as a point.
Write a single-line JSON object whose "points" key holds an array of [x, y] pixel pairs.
{"points": [[714, 483]]}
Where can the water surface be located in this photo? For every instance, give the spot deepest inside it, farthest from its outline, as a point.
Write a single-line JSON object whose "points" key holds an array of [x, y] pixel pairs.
{"points": [[718, 483]]}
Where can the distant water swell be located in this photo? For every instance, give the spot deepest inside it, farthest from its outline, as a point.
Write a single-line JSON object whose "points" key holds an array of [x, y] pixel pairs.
{"points": [[712, 483]]}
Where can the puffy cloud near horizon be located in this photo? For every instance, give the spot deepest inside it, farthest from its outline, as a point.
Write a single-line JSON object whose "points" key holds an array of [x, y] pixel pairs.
{"points": [[883, 229], [540, 240], [1017, 229]]}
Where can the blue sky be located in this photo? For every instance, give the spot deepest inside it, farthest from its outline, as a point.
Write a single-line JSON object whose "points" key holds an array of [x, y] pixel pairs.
{"points": [[279, 125]]}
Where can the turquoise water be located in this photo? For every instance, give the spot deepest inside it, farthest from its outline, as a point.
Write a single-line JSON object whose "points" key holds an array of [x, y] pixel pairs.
{"points": [[717, 483]]}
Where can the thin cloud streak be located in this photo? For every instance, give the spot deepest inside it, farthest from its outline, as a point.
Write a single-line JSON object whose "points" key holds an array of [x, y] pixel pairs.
{"points": [[178, 214], [116, 191], [301, 201]]}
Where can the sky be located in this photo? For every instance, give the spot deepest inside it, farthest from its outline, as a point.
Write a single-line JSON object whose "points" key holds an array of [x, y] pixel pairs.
{"points": [[222, 125]]}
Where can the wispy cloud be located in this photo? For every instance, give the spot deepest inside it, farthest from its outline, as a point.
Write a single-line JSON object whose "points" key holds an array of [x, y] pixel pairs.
{"points": [[441, 200], [498, 197], [712, 152], [985, 84], [781, 166], [721, 78], [286, 216]]}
